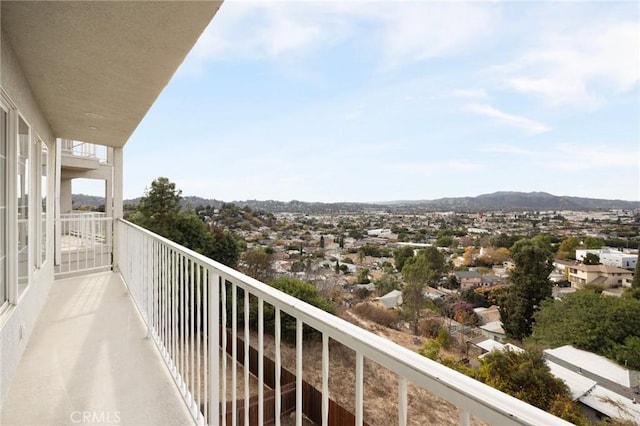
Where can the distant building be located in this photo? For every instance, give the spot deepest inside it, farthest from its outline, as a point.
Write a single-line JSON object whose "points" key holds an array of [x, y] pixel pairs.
{"points": [[487, 315], [468, 279], [391, 300], [608, 276], [611, 257], [382, 232], [477, 231], [473, 279], [493, 330], [433, 293], [602, 387]]}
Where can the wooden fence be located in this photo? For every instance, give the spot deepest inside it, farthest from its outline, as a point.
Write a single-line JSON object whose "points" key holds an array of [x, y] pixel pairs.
{"points": [[311, 397]]}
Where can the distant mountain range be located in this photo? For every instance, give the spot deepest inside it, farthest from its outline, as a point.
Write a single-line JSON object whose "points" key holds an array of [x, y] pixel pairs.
{"points": [[507, 200], [503, 200]]}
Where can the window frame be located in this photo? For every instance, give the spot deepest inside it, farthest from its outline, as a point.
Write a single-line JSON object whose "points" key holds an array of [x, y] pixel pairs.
{"points": [[11, 214], [30, 195], [4, 201]]}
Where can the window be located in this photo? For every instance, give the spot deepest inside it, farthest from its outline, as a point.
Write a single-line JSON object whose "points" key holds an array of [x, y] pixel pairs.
{"points": [[44, 163], [4, 122], [22, 182]]}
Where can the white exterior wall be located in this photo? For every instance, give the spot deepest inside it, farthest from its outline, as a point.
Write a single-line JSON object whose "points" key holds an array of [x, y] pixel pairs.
{"points": [[17, 322], [611, 257], [580, 254], [619, 259]]}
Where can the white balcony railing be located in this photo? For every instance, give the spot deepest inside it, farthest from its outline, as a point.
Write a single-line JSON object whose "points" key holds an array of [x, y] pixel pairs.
{"points": [[84, 241], [84, 150], [189, 302]]}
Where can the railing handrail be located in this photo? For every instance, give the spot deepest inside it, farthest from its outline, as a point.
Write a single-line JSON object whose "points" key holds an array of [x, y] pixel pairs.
{"points": [[83, 150], [83, 214], [475, 397], [79, 148]]}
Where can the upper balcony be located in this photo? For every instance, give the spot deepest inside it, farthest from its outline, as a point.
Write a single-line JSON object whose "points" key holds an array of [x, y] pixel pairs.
{"points": [[223, 348], [82, 156]]}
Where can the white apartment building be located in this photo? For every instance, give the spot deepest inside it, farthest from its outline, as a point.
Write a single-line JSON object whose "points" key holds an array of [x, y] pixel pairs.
{"points": [[137, 334], [611, 257]]}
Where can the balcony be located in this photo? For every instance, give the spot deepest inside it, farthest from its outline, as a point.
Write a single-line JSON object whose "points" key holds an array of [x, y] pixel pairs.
{"points": [[89, 354], [83, 243], [82, 155]]}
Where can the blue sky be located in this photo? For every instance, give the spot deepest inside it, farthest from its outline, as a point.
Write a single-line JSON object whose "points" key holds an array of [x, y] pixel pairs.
{"points": [[362, 101]]}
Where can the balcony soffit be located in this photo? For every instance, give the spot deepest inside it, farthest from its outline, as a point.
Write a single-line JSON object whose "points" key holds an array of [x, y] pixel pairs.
{"points": [[96, 67]]}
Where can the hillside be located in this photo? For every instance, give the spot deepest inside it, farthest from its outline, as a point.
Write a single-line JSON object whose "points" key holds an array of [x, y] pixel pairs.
{"points": [[506, 200], [502, 200]]}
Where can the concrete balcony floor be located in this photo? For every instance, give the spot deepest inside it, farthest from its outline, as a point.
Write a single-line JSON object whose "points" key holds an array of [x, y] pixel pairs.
{"points": [[88, 361]]}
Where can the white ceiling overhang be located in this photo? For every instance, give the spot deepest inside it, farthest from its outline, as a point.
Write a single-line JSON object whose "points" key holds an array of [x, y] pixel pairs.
{"points": [[96, 67]]}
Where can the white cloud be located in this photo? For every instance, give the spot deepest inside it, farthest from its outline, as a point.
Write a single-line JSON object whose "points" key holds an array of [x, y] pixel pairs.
{"points": [[579, 63], [261, 29], [571, 156], [479, 94], [400, 32], [584, 157], [420, 31], [427, 168], [509, 149], [530, 126]]}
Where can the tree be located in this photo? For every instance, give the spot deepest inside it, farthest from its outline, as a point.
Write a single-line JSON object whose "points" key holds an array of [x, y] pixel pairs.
{"points": [[567, 248], [524, 375], [468, 256], [299, 289], [506, 241], [362, 293], [401, 255], [445, 241], [591, 259], [463, 313], [634, 290], [158, 207], [636, 275], [160, 211], [530, 286], [593, 243], [426, 267], [413, 301], [386, 284], [608, 326], [451, 283], [321, 241], [223, 247], [475, 298], [363, 276], [258, 264], [430, 349]]}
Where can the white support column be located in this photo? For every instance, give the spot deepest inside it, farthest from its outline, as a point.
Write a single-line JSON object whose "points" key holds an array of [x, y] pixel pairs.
{"points": [[58, 225], [118, 167], [66, 196], [108, 191]]}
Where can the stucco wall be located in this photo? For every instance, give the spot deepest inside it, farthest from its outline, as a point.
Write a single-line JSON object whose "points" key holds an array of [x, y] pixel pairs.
{"points": [[16, 324]]}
